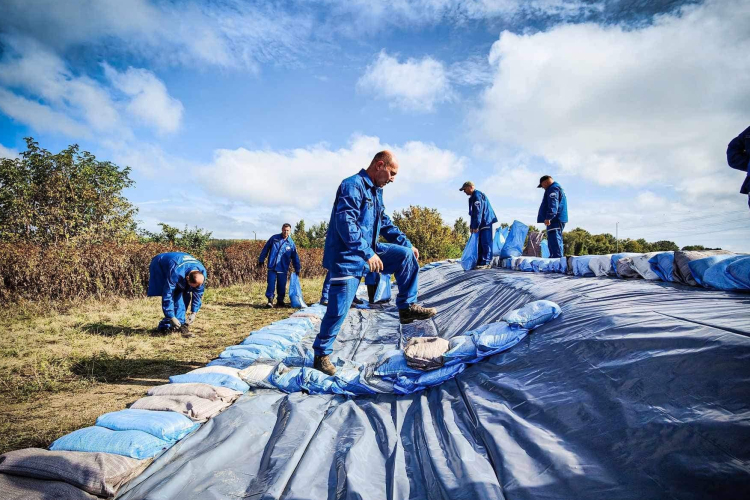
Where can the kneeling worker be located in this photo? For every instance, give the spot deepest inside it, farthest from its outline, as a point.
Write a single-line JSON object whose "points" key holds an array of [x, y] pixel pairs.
{"points": [[358, 219], [482, 218], [281, 250], [177, 278], [553, 212]]}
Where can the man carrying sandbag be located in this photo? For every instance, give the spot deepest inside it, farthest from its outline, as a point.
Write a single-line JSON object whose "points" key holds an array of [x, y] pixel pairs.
{"points": [[358, 219], [281, 250], [482, 217], [178, 279], [738, 157], [553, 212]]}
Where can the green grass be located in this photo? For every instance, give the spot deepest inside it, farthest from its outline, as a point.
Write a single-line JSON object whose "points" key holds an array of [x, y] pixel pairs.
{"points": [[62, 368]]}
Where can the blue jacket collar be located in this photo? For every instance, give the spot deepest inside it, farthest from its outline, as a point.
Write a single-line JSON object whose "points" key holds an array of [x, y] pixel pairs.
{"points": [[368, 181]]}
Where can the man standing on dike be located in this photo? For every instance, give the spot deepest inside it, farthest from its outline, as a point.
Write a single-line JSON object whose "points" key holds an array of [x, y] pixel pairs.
{"points": [[358, 219], [482, 217], [553, 212]]}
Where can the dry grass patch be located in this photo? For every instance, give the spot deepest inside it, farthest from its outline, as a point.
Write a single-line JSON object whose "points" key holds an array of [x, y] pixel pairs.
{"points": [[59, 370]]}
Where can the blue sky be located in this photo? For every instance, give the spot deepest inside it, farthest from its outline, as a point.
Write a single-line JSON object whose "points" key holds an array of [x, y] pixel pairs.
{"points": [[239, 116]]}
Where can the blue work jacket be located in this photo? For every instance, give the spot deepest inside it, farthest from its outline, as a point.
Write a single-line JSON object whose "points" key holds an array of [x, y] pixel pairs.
{"points": [[554, 205], [480, 211], [280, 253], [738, 157], [358, 218], [167, 273]]}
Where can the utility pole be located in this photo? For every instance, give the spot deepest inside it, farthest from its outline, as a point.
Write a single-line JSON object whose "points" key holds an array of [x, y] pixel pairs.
{"points": [[254, 237], [617, 236]]}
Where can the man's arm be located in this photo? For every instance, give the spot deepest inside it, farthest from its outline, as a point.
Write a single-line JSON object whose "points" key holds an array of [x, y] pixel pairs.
{"points": [[391, 232], [197, 300], [347, 221], [553, 204], [737, 155], [474, 212], [266, 248], [295, 260]]}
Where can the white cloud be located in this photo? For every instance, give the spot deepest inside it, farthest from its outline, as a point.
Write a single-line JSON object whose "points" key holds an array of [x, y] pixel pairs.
{"points": [[149, 99], [307, 178], [656, 105], [38, 116], [513, 182], [413, 85], [8, 152]]}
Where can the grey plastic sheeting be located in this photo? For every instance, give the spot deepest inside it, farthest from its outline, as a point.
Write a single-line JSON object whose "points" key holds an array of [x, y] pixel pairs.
{"points": [[639, 390]]}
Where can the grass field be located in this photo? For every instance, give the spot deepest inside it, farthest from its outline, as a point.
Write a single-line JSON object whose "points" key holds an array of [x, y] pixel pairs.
{"points": [[59, 370]]}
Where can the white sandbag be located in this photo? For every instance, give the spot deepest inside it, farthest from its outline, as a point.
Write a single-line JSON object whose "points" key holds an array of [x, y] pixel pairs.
{"points": [[198, 409], [205, 391], [258, 375], [601, 265], [225, 370], [641, 265]]}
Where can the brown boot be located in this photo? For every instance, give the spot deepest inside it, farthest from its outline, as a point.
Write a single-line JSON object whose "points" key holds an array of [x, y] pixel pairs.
{"points": [[415, 312], [323, 363]]}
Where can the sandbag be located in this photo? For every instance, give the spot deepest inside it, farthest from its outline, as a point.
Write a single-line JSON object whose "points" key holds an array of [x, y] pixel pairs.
{"points": [[348, 381], [461, 349], [425, 353], [240, 363], [497, 337], [375, 383], [166, 425], [740, 271], [226, 370], [217, 379], [316, 382], [205, 391], [409, 384], [662, 264], [27, 488], [196, 408], [624, 269], [681, 269], [545, 249], [134, 444], [100, 474], [601, 265], [541, 265], [717, 276], [295, 292], [471, 253], [533, 314], [258, 375], [499, 241], [622, 255], [516, 238], [287, 379], [383, 292], [269, 339], [699, 267], [392, 364], [641, 265], [525, 264], [580, 265], [534, 244]]}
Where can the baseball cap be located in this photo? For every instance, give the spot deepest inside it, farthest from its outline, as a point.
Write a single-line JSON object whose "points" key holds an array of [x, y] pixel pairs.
{"points": [[466, 184], [543, 178]]}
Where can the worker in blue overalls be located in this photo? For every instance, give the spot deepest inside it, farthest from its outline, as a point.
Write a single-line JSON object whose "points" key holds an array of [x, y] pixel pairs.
{"points": [[178, 279], [738, 157], [553, 212], [482, 217], [358, 220], [281, 250]]}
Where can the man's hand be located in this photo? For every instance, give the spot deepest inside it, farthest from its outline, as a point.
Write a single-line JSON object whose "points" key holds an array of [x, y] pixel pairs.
{"points": [[376, 265], [416, 252], [474, 231], [261, 263], [547, 222], [175, 322], [191, 318]]}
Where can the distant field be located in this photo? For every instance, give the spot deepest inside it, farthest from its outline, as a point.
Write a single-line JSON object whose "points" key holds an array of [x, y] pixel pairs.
{"points": [[61, 370]]}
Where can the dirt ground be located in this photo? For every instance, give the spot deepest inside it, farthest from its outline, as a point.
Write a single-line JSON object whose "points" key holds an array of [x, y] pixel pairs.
{"points": [[60, 369]]}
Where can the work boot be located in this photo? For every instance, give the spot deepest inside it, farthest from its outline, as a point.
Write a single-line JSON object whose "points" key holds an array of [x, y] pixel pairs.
{"points": [[323, 363], [415, 312], [487, 266], [185, 331], [371, 290], [270, 304], [280, 303], [323, 302], [357, 302]]}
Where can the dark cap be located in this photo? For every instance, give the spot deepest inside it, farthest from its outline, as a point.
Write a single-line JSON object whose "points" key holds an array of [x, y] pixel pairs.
{"points": [[466, 184], [543, 178]]}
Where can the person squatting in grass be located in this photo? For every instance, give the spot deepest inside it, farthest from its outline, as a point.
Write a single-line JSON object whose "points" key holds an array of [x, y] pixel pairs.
{"points": [[281, 250], [482, 217], [178, 279], [358, 219]]}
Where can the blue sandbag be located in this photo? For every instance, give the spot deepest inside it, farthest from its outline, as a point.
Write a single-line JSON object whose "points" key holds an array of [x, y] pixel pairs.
{"points": [[134, 444], [717, 276], [699, 267], [540, 265], [298, 356], [216, 379], [270, 339], [288, 381], [740, 271], [409, 384], [292, 321], [461, 349], [533, 314], [471, 253], [392, 364], [524, 264], [383, 292], [497, 337], [253, 351], [499, 241], [545, 249], [347, 382], [293, 333], [239, 363], [663, 264], [316, 382], [580, 265], [166, 425], [516, 238], [295, 292]]}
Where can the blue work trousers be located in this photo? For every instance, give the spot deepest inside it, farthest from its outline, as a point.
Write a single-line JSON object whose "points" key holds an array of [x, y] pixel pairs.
{"points": [[326, 288], [397, 260], [485, 246], [555, 239], [276, 280], [181, 300]]}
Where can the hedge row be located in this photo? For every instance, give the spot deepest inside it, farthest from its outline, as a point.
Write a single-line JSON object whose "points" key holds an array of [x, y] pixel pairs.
{"points": [[120, 269]]}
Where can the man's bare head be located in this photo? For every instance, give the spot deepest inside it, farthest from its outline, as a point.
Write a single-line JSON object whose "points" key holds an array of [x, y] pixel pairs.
{"points": [[286, 230], [383, 168], [195, 279]]}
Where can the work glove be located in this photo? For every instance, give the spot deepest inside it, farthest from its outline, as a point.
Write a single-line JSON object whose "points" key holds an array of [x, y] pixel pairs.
{"points": [[191, 318], [175, 322], [261, 263]]}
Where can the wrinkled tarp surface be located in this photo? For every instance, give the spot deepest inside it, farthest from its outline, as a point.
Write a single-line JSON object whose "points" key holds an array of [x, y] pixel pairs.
{"points": [[639, 390]]}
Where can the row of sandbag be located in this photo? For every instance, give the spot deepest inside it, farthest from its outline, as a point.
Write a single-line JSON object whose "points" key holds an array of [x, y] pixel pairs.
{"points": [[278, 359], [97, 460], [716, 269]]}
